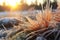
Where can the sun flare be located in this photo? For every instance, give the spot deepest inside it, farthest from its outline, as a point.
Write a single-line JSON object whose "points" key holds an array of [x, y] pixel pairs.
{"points": [[1, 2], [12, 2], [16, 2]]}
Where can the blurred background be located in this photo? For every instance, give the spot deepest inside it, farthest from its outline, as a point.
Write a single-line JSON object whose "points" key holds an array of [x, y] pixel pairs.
{"points": [[21, 5]]}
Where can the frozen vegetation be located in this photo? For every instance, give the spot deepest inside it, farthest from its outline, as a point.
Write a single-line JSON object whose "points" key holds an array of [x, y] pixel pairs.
{"points": [[31, 25]]}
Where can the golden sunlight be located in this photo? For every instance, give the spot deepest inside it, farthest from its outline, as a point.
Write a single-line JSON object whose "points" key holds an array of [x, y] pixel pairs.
{"points": [[1, 2], [12, 2]]}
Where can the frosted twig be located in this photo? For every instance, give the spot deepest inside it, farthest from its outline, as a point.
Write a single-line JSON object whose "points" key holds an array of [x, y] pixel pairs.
{"points": [[4, 27]]}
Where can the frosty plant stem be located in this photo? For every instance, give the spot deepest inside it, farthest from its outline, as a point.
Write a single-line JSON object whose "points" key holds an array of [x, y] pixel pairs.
{"points": [[4, 27]]}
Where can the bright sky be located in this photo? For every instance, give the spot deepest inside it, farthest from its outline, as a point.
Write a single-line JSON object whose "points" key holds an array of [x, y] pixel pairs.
{"points": [[29, 2], [16, 2], [52, 0], [58, 0], [40, 1], [1, 2], [10, 2]]}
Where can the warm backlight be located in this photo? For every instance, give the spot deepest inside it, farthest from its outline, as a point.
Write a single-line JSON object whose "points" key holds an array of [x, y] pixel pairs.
{"points": [[1, 2], [12, 2], [15, 2]]}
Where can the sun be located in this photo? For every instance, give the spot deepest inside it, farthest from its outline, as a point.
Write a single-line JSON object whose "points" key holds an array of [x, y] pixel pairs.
{"points": [[1, 2], [12, 3]]}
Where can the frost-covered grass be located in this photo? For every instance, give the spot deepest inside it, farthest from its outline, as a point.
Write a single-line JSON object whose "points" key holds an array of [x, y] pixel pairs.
{"points": [[29, 24]]}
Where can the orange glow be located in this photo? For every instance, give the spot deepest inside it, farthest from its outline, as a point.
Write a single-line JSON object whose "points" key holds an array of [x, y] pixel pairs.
{"points": [[15, 2], [29, 2], [12, 2], [1, 2]]}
